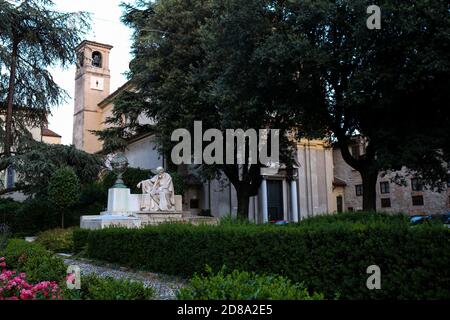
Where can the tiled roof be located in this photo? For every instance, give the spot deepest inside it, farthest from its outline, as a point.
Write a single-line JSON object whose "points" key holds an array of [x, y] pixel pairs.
{"points": [[49, 133], [339, 183]]}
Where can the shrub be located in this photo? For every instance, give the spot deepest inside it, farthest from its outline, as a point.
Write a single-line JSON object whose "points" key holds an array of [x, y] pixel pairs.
{"points": [[8, 210], [34, 215], [38, 214], [4, 235], [14, 286], [93, 199], [80, 239], [243, 286], [108, 288], [365, 218], [131, 178], [33, 259], [56, 240], [328, 257], [63, 190]]}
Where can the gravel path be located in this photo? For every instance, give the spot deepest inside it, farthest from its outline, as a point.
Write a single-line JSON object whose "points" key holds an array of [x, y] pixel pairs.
{"points": [[165, 286]]}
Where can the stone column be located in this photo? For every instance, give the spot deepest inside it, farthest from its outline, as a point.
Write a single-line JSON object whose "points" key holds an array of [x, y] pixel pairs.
{"points": [[265, 210], [285, 191], [294, 200]]}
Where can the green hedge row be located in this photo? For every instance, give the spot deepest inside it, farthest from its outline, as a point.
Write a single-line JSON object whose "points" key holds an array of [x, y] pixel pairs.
{"points": [[242, 285], [330, 258], [94, 287]]}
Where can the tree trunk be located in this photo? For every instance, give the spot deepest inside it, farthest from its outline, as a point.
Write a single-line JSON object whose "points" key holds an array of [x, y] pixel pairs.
{"points": [[245, 188], [369, 182], [243, 199], [62, 219], [10, 101]]}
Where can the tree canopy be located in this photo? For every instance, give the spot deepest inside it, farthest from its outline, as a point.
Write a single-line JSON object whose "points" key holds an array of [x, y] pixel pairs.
{"points": [[387, 86], [36, 166], [199, 61], [311, 66], [33, 38]]}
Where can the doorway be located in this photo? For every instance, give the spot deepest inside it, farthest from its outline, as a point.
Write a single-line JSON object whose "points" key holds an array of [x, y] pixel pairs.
{"points": [[339, 204], [275, 200]]}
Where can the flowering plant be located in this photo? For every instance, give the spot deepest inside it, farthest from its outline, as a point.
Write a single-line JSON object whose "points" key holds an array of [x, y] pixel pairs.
{"points": [[14, 286]]}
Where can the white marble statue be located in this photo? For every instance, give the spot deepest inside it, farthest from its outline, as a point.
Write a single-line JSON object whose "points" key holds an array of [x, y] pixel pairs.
{"points": [[158, 192]]}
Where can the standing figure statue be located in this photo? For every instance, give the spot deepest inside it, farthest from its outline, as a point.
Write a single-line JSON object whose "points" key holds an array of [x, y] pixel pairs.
{"points": [[158, 192]]}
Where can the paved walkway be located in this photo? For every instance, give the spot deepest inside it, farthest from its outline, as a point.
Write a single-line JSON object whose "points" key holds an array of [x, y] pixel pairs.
{"points": [[165, 286]]}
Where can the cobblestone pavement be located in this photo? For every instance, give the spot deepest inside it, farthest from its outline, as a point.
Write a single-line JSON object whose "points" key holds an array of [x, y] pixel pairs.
{"points": [[164, 286]]}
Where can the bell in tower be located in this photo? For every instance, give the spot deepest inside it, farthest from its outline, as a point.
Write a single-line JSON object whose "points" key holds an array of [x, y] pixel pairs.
{"points": [[97, 59]]}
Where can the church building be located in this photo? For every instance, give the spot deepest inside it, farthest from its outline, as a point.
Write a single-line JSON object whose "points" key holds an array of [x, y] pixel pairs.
{"points": [[321, 183]]}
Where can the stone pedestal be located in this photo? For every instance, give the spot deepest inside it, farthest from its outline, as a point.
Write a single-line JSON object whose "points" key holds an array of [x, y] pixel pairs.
{"points": [[118, 201], [105, 221], [154, 218]]}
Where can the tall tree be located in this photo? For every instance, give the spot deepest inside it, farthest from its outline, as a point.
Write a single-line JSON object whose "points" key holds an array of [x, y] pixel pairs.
{"points": [[37, 165], [388, 85], [197, 61], [33, 38]]}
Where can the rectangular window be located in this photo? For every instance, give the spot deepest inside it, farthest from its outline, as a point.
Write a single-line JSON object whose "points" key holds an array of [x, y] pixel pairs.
{"points": [[384, 187], [10, 177], [416, 184], [386, 203], [417, 200], [350, 209], [359, 190]]}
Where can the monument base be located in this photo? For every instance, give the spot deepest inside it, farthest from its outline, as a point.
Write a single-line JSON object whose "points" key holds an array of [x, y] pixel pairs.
{"points": [[105, 221], [158, 217]]}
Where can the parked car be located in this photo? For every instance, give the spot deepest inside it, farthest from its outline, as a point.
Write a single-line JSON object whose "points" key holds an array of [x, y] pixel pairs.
{"points": [[418, 219], [279, 222]]}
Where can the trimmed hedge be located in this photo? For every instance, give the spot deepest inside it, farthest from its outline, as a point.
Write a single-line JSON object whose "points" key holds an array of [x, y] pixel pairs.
{"points": [[109, 288], [56, 240], [328, 257], [243, 286]]}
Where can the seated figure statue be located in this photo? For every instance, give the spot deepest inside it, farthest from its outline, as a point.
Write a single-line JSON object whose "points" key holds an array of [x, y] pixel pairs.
{"points": [[158, 192]]}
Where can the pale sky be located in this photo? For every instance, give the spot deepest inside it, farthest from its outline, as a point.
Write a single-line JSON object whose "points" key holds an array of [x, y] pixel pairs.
{"points": [[106, 28]]}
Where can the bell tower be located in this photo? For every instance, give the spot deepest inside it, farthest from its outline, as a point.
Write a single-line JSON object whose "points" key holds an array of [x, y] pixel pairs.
{"points": [[92, 85]]}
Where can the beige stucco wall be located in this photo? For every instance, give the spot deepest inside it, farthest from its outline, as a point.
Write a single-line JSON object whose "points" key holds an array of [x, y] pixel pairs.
{"points": [[51, 140]]}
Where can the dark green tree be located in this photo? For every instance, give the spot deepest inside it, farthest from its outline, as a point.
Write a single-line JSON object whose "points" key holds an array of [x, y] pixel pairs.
{"points": [[36, 166], [197, 61], [33, 38], [63, 190], [388, 86]]}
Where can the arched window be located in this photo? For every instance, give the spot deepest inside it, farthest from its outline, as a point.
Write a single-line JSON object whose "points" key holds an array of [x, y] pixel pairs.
{"points": [[96, 59]]}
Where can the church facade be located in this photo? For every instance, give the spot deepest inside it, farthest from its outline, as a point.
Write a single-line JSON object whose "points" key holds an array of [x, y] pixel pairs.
{"points": [[321, 182]]}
